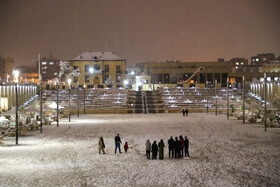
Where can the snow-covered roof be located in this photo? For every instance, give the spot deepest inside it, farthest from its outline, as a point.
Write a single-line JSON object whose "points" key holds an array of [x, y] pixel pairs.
{"points": [[87, 55]]}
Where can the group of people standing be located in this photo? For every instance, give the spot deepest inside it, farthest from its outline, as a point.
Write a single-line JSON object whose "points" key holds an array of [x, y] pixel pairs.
{"points": [[185, 112], [177, 148], [118, 142]]}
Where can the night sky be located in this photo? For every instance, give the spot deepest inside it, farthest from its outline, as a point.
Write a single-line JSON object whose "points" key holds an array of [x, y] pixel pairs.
{"points": [[139, 30]]}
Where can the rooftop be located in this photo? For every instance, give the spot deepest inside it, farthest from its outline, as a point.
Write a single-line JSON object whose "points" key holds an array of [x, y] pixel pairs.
{"points": [[87, 55]]}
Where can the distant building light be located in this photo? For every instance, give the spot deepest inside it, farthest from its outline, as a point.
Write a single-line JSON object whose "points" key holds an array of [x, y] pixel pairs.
{"points": [[237, 63], [91, 70], [125, 82], [268, 79], [257, 59], [242, 63], [236, 67], [51, 63], [132, 72], [44, 63], [55, 73]]}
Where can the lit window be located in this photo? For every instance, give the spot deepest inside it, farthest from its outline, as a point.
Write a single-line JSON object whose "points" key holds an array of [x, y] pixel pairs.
{"points": [[253, 60], [237, 63], [242, 63], [44, 72], [55, 73], [51, 63], [257, 59], [44, 63], [236, 67]]}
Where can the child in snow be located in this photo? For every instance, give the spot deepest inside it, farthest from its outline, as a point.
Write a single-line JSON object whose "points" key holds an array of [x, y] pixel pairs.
{"points": [[125, 147]]}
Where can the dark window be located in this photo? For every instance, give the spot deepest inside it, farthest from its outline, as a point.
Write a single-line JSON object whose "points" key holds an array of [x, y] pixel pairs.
{"points": [[224, 79], [217, 77], [180, 67], [75, 67], [75, 79], [202, 78], [86, 78], [96, 67], [166, 78], [118, 68], [86, 68], [106, 77], [106, 68], [210, 78], [159, 78]]}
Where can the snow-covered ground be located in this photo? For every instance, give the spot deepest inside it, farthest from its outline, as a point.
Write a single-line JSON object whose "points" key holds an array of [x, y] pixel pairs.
{"points": [[222, 153]]}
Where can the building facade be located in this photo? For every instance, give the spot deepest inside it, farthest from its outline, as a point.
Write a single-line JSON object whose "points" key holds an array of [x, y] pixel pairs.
{"points": [[7, 66], [97, 67], [49, 68]]}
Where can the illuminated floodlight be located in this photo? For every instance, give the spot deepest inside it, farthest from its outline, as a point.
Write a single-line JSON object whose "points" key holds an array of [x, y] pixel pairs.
{"points": [[125, 82], [91, 70], [268, 78], [132, 73], [69, 81]]}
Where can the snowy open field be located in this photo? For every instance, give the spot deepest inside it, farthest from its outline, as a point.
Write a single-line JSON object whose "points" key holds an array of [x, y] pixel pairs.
{"points": [[222, 153]]}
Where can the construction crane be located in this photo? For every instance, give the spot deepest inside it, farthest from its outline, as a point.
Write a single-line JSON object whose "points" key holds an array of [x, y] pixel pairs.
{"points": [[194, 74]]}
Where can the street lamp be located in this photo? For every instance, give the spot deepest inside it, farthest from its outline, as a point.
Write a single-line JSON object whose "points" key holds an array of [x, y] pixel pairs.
{"points": [[84, 99], [207, 96], [265, 95], [16, 74], [243, 82], [78, 113], [69, 86], [216, 95], [227, 98], [57, 106]]}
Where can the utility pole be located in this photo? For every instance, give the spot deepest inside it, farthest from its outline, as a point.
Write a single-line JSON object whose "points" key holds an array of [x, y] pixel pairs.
{"points": [[227, 99], [41, 102]]}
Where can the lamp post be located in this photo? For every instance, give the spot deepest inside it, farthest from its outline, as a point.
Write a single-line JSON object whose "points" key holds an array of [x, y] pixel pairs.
{"points": [[227, 99], [16, 74], [243, 82], [78, 113], [216, 111], [69, 84], [84, 99], [41, 101], [207, 96], [57, 105], [265, 114]]}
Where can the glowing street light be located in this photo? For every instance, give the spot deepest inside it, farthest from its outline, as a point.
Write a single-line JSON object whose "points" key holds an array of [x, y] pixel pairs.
{"points": [[16, 74]]}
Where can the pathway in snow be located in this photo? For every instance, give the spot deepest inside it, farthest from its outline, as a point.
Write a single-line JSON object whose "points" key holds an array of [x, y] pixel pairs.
{"points": [[223, 153]]}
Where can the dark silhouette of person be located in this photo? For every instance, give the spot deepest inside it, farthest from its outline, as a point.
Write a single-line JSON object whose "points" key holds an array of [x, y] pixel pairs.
{"points": [[161, 149], [183, 111], [171, 147], [118, 143], [148, 148], [177, 147], [182, 141], [186, 146], [187, 112], [154, 150]]}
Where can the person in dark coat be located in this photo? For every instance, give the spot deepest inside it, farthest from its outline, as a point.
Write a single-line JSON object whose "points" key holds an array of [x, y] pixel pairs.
{"points": [[177, 147], [148, 148], [182, 141], [118, 143], [154, 150], [161, 149], [171, 147], [187, 147], [101, 145], [187, 112], [183, 111]]}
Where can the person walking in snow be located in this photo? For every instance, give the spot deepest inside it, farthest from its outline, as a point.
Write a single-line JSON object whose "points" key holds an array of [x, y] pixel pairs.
{"points": [[161, 149], [177, 147], [118, 143], [125, 147], [183, 112], [171, 147], [182, 141], [148, 148], [101, 145], [154, 150], [186, 143], [186, 112]]}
